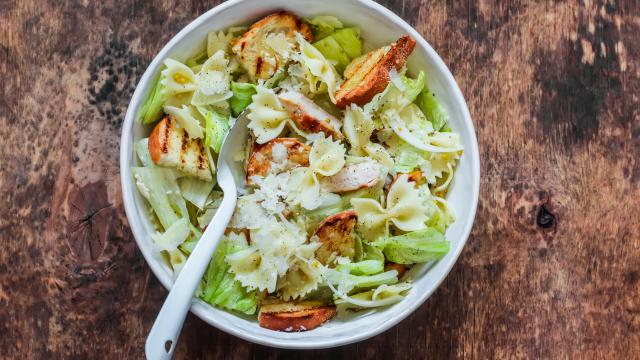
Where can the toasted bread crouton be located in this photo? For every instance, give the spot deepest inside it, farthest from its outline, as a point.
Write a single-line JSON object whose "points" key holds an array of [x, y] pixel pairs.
{"points": [[170, 146], [256, 49], [295, 316], [310, 117], [368, 75], [353, 177], [336, 233], [401, 269], [262, 156], [415, 176]]}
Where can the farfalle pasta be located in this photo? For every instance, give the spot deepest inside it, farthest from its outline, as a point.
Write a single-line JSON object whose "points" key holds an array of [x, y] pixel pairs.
{"points": [[326, 158], [334, 213], [268, 116], [404, 207]]}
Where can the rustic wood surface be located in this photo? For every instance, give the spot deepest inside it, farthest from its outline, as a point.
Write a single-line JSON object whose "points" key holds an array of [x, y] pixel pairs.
{"points": [[552, 269]]}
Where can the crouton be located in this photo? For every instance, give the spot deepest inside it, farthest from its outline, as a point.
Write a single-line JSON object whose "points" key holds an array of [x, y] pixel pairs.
{"points": [[310, 117], [295, 316], [262, 156], [170, 146], [256, 48], [368, 74], [353, 177], [336, 233]]}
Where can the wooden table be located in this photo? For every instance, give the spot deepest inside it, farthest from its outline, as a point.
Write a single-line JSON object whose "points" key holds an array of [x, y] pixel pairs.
{"points": [[552, 269]]}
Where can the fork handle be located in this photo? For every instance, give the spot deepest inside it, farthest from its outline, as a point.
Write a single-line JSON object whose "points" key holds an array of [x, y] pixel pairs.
{"points": [[164, 334]]}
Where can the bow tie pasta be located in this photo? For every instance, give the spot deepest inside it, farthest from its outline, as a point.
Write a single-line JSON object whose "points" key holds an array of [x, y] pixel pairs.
{"points": [[269, 255], [268, 116], [178, 83], [326, 158], [213, 81], [405, 208], [304, 275]]}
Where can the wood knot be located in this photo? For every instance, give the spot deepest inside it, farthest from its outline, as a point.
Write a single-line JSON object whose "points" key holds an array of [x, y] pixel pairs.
{"points": [[90, 217], [545, 219]]}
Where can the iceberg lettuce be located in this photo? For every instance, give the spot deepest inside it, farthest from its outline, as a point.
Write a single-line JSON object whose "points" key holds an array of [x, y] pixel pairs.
{"points": [[365, 267], [160, 188], [242, 93], [220, 286], [151, 110], [415, 247], [324, 25]]}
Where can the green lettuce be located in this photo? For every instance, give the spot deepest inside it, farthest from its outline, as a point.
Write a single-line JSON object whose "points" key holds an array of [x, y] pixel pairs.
{"points": [[195, 191], [216, 128], [415, 247], [142, 150], [332, 50], [172, 237], [349, 40], [160, 188], [242, 96], [347, 282], [365, 267], [432, 109], [151, 110], [324, 25], [220, 286]]}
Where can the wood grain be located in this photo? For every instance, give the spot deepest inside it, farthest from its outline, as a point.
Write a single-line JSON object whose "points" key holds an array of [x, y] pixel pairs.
{"points": [[552, 269]]}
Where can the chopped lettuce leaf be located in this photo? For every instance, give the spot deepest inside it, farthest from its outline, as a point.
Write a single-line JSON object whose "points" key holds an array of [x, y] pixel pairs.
{"points": [[172, 237], [347, 282], [188, 245], [242, 93], [216, 128], [415, 247], [331, 50], [432, 109], [151, 110], [349, 40], [324, 25], [383, 295], [397, 99], [198, 59], [408, 159], [276, 78], [195, 191], [442, 217], [371, 252], [221, 288], [160, 188], [365, 267], [142, 150]]}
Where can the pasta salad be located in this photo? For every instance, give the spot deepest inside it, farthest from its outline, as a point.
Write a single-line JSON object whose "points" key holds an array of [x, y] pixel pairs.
{"points": [[347, 169]]}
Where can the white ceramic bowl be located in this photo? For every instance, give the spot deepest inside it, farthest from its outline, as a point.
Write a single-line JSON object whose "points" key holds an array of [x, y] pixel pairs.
{"points": [[379, 26]]}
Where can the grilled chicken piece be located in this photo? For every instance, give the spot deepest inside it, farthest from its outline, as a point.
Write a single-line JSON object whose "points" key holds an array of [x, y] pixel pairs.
{"points": [[415, 176], [310, 117], [170, 146], [368, 74], [262, 156], [337, 235], [295, 316], [255, 48], [353, 177], [401, 269]]}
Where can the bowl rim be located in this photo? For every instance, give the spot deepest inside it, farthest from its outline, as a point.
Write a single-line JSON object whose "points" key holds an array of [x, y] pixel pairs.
{"points": [[199, 308]]}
